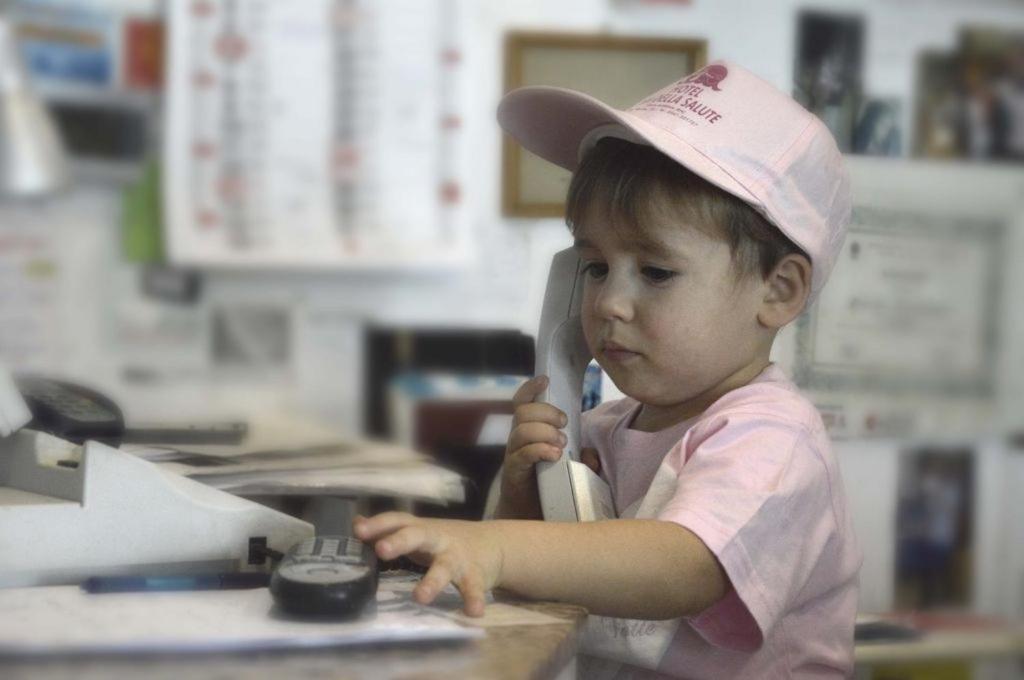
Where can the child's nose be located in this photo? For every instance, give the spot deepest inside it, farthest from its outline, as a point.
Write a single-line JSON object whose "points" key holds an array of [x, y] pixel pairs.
{"points": [[614, 301]]}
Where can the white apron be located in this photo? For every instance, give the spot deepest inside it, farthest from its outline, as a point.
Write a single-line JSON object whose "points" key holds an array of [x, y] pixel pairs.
{"points": [[633, 641]]}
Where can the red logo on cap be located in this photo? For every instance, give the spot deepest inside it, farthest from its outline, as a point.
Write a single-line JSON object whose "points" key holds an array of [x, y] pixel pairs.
{"points": [[685, 98], [710, 76]]}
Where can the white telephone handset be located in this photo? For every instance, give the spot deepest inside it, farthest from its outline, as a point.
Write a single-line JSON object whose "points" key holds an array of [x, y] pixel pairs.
{"points": [[569, 490]]}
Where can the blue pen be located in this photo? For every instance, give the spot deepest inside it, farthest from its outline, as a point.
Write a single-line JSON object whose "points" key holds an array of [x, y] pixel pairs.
{"points": [[131, 584]]}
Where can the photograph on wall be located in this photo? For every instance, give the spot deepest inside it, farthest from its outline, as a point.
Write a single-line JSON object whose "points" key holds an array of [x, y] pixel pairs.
{"points": [[877, 131], [938, 107], [827, 77], [254, 337], [992, 89], [67, 48], [970, 102], [934, 517]]}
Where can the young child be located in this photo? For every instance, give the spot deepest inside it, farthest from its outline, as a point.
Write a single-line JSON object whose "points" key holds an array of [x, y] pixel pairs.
{"points": [[707, 216]]}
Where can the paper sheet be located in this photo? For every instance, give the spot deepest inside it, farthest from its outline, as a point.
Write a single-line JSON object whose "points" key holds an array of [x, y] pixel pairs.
{"points": [[66, 620], [496, 614], [285, 454], [424, 482], [281, 433]]}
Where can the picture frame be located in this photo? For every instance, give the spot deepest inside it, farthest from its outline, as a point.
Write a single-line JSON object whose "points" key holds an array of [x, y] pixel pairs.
{"points": [[871, 333], [937, 106], [966, 98], [828, 73], [877, 131], [619, 70], [935, 542]]}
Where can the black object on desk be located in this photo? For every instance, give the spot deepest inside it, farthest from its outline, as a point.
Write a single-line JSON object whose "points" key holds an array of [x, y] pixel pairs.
{"points": [[77, 413], [72, 412], [137, 584], [884, 631], [226, 433], [326, 576]]}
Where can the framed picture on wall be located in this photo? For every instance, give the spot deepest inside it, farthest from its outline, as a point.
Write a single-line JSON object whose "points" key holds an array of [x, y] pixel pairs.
{"points": [[877, 132], [935, 556], [829, 60], [991, 83], [911, 308], [938, 106], [968, 101], [618, 70]]}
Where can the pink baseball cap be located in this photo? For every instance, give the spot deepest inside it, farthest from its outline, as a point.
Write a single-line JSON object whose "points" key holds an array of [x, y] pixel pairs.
{"points": [[727, 125]]}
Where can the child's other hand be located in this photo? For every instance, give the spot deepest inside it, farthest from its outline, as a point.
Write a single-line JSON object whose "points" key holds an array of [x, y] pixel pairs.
{"points": [[458, 552], [535, 437]]}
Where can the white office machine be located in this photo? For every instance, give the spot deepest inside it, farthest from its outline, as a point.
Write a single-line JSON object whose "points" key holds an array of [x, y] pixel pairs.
{"points": [[70, 512], [569, 490]]}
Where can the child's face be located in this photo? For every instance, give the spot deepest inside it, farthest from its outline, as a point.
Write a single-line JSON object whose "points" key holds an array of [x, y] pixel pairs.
{"points": [[667, 316]]}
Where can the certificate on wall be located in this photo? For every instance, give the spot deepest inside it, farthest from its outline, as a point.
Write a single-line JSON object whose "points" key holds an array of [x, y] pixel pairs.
{"points": [[911, 307]]}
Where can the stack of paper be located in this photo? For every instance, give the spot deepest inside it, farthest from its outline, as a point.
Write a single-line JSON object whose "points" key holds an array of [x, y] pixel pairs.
{"points": [[286, 455]]}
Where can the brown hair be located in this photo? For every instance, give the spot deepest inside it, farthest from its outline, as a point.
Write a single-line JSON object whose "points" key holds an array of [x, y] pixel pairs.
{"points": [[637, 185]]}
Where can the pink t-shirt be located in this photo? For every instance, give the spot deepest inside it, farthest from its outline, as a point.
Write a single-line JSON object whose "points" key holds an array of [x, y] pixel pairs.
{"points": [[756, 480]]}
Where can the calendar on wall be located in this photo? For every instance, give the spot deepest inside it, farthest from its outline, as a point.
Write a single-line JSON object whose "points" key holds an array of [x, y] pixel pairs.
{"points": [[314, 133]]}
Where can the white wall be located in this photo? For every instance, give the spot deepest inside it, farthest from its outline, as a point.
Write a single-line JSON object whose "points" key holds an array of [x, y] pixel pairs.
{"points": [[503, 286]]}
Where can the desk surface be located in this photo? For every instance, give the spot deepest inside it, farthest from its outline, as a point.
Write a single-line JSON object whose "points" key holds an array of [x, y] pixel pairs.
{"points": [[507, 651], [943, 645]]}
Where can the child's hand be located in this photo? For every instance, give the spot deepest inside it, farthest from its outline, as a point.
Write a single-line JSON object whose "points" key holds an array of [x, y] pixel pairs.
{"points": [[535, 436], [463, 553]]}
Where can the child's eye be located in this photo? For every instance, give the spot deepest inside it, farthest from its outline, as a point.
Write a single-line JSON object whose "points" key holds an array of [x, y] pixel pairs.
{"points": [[595, 270], [657, 274]]}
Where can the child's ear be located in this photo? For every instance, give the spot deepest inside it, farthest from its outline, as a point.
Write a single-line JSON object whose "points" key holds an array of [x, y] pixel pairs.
{"points": [[787, 288]]}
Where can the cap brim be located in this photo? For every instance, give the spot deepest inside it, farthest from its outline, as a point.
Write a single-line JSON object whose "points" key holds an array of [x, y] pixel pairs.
{"points": [[552, 122]]}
